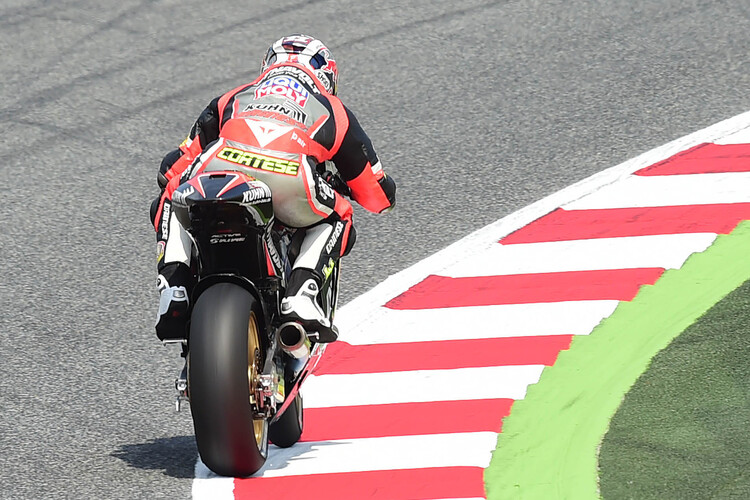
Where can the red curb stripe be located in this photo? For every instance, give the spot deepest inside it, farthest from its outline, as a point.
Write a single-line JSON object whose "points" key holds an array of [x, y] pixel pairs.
{"points": [[565, 225], [343, 358], [405, 419], [442, 482], [436, 292], [703, 159]]}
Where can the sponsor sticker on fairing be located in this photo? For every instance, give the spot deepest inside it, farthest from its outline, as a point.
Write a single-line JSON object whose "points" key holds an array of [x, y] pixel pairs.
{"points": [[272, 251], [180, 195], [258, 193], [218, 239], [283, 86]]}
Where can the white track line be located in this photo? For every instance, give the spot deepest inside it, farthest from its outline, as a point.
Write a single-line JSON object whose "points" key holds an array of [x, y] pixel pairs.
{"points": [[325, 391], [482, 322], [668, 251], [741, 137], [668, 190]]}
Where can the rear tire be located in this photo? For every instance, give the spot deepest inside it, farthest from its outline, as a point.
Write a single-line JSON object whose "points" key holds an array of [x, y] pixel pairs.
{"points": [[224, 359]]}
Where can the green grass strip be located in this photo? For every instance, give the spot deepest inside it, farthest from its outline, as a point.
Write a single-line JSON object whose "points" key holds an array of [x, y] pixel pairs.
{"points": [[683, 429], [549, 445]]}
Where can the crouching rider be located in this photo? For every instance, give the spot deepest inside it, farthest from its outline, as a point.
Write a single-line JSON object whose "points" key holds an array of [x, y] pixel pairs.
{"points": [[285, 128]]}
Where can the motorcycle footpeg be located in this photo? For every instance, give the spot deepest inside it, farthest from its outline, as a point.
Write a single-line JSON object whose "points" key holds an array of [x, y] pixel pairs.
{"points": [[325, 335], [181, 386]]}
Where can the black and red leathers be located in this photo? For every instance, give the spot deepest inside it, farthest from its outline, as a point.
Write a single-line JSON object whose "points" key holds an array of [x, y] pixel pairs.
{"points": [[283, 129]]}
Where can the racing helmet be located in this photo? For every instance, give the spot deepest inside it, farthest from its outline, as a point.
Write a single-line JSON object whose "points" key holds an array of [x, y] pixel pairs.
{"points": [[308, 51]]}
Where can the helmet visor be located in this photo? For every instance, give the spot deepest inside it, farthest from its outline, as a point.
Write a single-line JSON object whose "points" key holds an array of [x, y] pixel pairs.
{"points": [[318, 61]]}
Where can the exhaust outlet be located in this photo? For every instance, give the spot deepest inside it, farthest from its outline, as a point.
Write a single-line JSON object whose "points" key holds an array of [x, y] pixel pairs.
{"points": [[293, 340]]}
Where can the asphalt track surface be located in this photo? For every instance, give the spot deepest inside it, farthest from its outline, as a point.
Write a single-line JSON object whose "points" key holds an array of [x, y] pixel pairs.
{"points": [[476, 108]]}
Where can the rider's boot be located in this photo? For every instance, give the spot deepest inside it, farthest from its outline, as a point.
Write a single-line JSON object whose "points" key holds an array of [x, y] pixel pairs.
{"points": [[172, 316], [301, 305]]}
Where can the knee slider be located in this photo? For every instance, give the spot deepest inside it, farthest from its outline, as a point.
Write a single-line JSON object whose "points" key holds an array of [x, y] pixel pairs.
{"points": [[169, 160], [350, 242], [154, 209]]}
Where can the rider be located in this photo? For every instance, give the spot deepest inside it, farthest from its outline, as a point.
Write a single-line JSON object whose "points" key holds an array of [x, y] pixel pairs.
{"points": [[289, 112]]}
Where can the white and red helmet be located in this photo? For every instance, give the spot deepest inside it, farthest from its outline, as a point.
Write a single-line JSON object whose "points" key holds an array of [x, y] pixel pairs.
{"points": [[308, 51]]}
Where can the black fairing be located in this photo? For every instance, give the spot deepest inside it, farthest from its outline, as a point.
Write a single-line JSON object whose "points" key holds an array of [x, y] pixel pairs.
{"points": [[229, 217]]}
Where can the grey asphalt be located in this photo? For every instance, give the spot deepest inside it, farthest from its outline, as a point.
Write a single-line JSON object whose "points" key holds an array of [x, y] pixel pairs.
{"points": [[477, 109]]}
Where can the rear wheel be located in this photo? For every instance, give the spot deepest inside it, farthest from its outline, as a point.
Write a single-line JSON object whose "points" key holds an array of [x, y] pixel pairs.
{"points": [[224, 361]]}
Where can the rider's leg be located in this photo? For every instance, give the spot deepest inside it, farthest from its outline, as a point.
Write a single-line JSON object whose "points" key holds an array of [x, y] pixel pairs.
{"points": [[175, 277], [323, 245]]}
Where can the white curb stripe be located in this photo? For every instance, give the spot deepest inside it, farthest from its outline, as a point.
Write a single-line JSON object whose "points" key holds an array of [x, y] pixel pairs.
{"points": [[210, 486], [325, 391], [481, 322], [668, 190], [481, 239], [365, 314], [471, 449], [667, 251]]}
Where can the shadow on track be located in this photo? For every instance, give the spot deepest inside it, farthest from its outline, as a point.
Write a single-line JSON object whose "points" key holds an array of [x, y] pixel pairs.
{"points": [[176, 455]]}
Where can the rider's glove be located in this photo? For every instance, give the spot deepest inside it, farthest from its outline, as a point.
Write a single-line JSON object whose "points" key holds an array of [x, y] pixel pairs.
{"points": [[336, 183]]}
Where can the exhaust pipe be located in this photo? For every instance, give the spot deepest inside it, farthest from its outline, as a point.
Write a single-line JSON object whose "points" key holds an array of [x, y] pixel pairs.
{"points": [[293, 340]]}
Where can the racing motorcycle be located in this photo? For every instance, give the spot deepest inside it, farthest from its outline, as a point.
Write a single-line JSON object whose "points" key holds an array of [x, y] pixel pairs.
{"points": [[244, 367]]}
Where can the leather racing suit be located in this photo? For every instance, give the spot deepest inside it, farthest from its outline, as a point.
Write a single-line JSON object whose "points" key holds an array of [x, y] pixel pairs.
{"points": [[280, 129]]}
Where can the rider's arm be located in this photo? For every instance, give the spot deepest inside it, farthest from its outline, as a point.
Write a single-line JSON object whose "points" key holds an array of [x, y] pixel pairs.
{"points": [[359, 166], [204, 130]]}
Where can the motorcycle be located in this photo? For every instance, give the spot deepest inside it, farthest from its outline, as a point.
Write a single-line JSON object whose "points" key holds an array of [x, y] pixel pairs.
{"points": [[244, 367]]}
